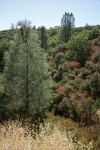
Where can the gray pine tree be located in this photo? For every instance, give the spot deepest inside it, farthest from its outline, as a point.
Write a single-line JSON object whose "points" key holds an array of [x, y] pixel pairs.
{"points": [[27, 80]]}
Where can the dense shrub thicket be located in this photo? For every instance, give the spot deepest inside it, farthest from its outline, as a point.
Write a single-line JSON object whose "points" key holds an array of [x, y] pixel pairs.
{"points": [[73, 64]]}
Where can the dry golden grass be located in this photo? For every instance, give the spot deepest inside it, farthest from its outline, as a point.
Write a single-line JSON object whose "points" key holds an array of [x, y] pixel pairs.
{"points": [[15, 137], [85, 134]]}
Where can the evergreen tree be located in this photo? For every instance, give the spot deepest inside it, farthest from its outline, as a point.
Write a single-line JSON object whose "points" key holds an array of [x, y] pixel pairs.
{"points": [[43, 36], [27, 80], [67, 26], [12, 26]]}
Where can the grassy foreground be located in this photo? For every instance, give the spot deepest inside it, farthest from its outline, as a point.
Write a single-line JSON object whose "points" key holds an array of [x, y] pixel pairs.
{"points": [[15, 137]]}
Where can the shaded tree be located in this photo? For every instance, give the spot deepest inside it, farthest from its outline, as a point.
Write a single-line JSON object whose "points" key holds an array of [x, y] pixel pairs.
{"points": [[5, 37], [88, 27], [4, 46], [43, 36]]}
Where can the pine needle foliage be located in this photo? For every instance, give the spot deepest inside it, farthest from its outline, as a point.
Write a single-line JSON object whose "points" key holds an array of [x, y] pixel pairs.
{"points": [[27, 80]]}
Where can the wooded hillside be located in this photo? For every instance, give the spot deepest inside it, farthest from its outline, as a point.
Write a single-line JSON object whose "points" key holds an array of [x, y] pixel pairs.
{"points": [[55, 70]]}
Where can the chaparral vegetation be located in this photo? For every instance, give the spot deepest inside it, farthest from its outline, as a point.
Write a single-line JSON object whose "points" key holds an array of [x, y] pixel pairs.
{"points": [[50, 87]]}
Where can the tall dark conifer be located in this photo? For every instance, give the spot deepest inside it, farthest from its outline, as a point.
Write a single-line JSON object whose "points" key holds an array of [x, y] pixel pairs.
{"points": [[43, 36], [67, 26]]}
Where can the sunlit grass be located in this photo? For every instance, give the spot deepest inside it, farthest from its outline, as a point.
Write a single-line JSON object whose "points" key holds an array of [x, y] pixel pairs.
{"points": [[51, 137]]}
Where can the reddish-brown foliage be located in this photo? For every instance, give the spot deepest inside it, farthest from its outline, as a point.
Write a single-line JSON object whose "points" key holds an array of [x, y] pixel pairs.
{"points": [[60, 89], [73, 64]]}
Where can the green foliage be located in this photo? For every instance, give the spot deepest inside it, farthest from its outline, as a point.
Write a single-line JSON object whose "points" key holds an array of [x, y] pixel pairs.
{"points": [[43, 37], [97, 103], [4, 46], [71, 56], [75, 91], [59, 75], [95, 85], [94, 33], [27, 80], [67, 26], [58, 98], [92, 85], [59, 59], [78, 29], [53, 41], [84, 73], [5, 37], [53, 31], [71, 76], [93, 67], [87, 110], [72, 83], [78, 43], [88, 27], [53, 36], [96, 58], [72, 111]]}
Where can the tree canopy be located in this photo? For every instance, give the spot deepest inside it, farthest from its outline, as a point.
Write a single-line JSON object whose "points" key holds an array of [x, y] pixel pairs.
{"points": [[27, 80], [67, 26]]}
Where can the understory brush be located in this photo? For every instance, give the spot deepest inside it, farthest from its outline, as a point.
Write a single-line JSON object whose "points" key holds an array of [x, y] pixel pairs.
{"points": [[13, 136]]}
